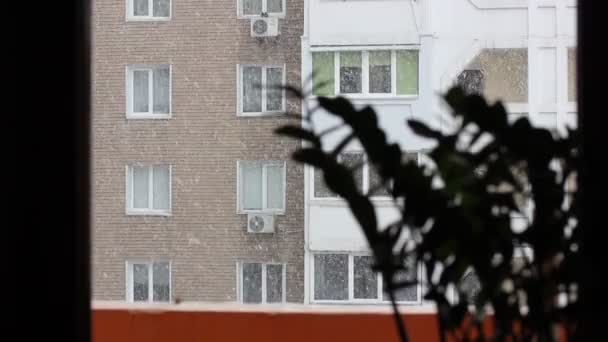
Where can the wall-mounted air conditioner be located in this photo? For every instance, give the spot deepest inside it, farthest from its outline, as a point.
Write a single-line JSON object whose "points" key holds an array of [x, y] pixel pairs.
{"points": [[264, 27], [260, 223]]}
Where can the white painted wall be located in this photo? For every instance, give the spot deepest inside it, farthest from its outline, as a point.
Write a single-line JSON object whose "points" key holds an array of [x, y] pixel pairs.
{"points": [[353, 22], [340, 231], [449, 34]]}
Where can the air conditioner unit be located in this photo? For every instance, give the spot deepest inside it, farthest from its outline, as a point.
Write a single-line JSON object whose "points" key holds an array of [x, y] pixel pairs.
{"points": [[260, 223], [264, 27]]}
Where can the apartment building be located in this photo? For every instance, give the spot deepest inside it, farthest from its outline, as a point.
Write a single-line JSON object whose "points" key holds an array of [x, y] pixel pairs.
{"points": [[195, 198], [398, 56], [186, 168]]}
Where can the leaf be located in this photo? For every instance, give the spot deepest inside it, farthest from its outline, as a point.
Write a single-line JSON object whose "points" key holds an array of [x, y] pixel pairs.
{"points": [[311, 156], [338, 106], [423, 130]]}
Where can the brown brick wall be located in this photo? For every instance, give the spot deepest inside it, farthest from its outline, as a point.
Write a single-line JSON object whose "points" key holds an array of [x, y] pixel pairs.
{"points": [[204, 237]]}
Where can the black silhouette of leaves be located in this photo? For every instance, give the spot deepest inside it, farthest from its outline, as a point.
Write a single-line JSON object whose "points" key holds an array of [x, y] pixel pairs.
{"points": [[492, 175]]}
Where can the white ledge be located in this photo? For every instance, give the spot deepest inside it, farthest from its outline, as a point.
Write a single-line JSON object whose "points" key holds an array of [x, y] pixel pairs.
{"points": [[261, 308], [497, 4]]}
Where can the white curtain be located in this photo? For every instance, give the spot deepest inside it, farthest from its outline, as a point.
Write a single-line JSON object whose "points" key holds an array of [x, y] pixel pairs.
{"points": [[274, 186], [275, 6], [252, 7], [140, 91], [161, 8], [161, 186], [140, 282], [161, 282], [140, 7], [274, 93], [252, 185], [161, 82], [252, 89], [140, 187]]}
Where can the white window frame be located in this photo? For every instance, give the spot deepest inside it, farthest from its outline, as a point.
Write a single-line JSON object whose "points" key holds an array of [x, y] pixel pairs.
{"points": [[240, 183], [240, 92], [130, 210], [130, 69], [149, 263], [366, 179], [241, 15], [130, 12], [239, 267], [499, 4], [365, 94], [351, 283]]}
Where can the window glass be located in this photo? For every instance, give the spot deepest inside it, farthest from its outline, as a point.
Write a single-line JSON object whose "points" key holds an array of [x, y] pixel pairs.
{"points": [[140, 282], [407, 72], [406, 293], [274, 6], [161, 187], [274, 93], [469, 285], [321, 189], [354, 161], [471, 81], [252, 89], [375, 183], [571, 74], [161, 90], [379, 71], [252, 7], [331, 277], [161, 281], [365, 279], [140, 7], [140, 186], [252, 283], [350, 72], [274, 183], [504, 74], [274, 283], [323, 71], [140, 91], [161, 8], [252, 185]]}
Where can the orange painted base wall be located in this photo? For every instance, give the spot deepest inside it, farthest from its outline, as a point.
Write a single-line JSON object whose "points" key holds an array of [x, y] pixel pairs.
{"points": [[137, 325], [177, 326]]}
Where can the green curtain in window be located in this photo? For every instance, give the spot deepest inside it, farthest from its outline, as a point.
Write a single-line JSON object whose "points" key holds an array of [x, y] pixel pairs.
{"points": [[350, 59], [379, 58], [407, 72], [323, 70]]}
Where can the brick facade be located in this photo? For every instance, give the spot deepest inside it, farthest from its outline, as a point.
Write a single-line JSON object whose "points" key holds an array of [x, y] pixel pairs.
{"points": [[204, 237]]}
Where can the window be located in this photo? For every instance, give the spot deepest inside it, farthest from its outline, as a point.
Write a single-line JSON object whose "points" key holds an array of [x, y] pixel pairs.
{"points": [[384, 72], [149, 92], [148, 189], [262, 283], [261, 186], [469, 285], [249, 8], [349, 278], [380, 72], [261, 90], [351, 72], [149, 281], [471, 81], [148, 9], [367, 177], [572, 74], [498, 74]]}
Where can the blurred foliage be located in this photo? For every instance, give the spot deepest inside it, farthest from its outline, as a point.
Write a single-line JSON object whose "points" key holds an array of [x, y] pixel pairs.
{"points": [[458, 215]]}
